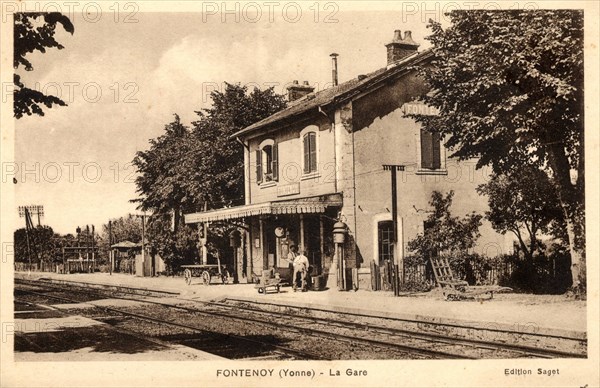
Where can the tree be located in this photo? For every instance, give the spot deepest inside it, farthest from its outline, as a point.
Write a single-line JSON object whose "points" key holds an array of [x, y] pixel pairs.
{"points": [[44, 245], [31, 34], [127, 228], [124, 228], [222, 172], [509, 89], [164, 173], [524, 202], [186, 168], [444, 233]]}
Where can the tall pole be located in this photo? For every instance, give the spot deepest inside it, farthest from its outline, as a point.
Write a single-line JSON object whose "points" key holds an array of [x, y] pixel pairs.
{"points": [[205, 236], [87, 243], [27, 236], [394, 205], [393, 168], [110, 250], [93, 253], [143, 241], [78, 230]]}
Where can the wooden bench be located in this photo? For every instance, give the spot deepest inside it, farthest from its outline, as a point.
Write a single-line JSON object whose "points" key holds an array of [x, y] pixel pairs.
{"points": [[454, 289]]}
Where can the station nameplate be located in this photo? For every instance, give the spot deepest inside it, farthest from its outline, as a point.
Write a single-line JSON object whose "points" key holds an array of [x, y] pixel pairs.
{"points": [[290, 189], [417, 108]]}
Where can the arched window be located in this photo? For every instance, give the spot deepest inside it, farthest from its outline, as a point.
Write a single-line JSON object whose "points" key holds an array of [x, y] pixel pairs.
{"points": [[267, 162]]}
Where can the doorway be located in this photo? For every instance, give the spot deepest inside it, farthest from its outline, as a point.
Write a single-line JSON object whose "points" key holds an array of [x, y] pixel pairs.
{"points": [[385, 241]]}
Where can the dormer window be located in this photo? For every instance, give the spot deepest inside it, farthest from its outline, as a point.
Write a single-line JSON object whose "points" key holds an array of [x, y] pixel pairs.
{"points": [[267, 162]]}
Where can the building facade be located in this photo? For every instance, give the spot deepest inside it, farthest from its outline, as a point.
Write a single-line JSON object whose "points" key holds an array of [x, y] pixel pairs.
{"points": [[322, 159]]}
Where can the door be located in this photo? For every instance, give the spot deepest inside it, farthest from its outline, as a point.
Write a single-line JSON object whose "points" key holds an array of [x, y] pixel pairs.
{"points": [[312, 240], [385, 232]]}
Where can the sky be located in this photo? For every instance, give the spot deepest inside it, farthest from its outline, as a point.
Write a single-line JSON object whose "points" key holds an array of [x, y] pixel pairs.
{"points": [[124, 81]]}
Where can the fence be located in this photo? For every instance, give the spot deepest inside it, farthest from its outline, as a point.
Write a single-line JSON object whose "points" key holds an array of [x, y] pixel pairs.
{"points": [[417, 275], [39, 267]]}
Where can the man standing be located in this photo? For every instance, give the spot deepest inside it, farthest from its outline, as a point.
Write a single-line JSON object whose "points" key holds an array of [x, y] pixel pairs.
{"points": [[301, 265]]}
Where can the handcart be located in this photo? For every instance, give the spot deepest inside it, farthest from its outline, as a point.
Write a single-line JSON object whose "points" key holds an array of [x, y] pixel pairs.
{"points": [[207, 272], [454, 289], [268, 281]]}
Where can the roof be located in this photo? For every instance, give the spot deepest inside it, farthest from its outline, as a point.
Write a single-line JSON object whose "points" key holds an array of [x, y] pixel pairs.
{"points": [[335, 94], [294, 206], [126, 244]]}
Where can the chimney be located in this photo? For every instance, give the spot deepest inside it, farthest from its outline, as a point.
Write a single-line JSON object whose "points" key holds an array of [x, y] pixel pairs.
{"points": [[296, 91], [399, 48], [334, 69]]}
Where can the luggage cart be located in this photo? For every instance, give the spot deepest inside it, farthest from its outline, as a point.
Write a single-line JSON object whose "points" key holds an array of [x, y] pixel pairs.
{"points": [[207, 272]]}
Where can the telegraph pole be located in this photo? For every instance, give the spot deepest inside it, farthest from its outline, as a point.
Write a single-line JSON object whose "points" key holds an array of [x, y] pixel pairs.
{"points": [[392, 168], [399, 265], [144, 243], [87, 243], [27, 211], [78, 230], [93, 253], [110, 250], [143, 217]]}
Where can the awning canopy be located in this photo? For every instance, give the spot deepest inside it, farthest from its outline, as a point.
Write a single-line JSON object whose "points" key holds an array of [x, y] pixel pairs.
{"points": [[296, 206]]}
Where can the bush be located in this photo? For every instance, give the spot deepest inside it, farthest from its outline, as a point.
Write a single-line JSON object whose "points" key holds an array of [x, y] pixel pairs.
{"points": [[544, 274]]}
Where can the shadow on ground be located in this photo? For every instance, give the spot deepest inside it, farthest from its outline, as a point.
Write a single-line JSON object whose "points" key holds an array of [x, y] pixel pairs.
{"points": [[98, 338]]}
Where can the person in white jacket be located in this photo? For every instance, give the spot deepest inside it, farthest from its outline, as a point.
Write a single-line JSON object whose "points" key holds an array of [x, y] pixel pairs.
{"points": [[301, 265]]}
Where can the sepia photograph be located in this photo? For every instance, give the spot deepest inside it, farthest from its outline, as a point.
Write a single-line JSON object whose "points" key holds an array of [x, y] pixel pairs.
{"points": [[299, 193]]}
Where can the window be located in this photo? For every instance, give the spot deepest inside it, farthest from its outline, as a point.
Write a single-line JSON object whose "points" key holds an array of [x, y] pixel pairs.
{"points": [[309, 141], [267, 162], [430, 150]]}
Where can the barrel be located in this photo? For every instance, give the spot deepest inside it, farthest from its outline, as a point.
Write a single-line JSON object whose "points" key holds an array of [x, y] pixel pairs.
{"points": [[318, 282]]}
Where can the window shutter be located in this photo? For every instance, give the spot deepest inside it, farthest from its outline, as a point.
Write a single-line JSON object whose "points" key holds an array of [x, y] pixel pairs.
{"points": [[258, 166], [275, 159], [435, 147], [306, 154], [312, 145], [426, 149]]}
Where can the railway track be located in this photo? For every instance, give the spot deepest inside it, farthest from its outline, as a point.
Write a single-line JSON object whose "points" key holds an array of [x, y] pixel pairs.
{"points": [[419, 344], [428, 331], [225, 345]]}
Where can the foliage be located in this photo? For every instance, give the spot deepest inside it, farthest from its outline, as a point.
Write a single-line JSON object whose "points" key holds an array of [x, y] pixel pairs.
{"points": [[543, 274], [127, 228], [509, 89], [186, 168], [163, 171], [44, 245], [30, 34], [525, 203], [176, 248], [445, 233], [222, 164]]}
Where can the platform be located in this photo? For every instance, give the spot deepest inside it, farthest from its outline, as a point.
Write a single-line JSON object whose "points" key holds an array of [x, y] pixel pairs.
{"points": [[523, 312]]}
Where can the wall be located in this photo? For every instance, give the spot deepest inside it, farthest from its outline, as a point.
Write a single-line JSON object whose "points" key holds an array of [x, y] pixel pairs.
{"points": [[290, 164], [384, 136]]}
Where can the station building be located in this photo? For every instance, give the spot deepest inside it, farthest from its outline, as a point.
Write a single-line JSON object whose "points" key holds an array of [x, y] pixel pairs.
{"points": [[324, 158]]}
